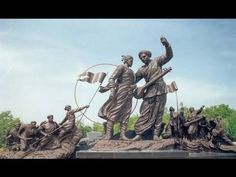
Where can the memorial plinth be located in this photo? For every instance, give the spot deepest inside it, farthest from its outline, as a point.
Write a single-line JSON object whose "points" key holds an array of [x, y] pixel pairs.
{"points": [[163, 149]]}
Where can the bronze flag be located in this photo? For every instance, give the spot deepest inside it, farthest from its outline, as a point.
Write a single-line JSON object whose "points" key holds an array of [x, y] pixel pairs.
{"points": [[172, 87], [92, 77]]}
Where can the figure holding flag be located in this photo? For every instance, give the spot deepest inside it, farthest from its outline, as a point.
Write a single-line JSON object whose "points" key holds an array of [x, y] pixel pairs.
{"points": [[118, 107], [90, 78]]}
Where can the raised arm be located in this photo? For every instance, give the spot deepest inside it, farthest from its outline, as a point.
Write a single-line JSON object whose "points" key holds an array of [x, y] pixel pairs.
{"points": [[80, 108], [163, 59], [200, 110]]}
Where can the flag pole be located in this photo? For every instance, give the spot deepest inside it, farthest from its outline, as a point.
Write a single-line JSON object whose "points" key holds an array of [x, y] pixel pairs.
{"points": [[176, 101], [83, 113], [75, 96]]}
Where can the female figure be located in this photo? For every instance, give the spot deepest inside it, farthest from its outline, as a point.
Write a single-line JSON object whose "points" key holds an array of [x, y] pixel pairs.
{"points": [[119, 105]]}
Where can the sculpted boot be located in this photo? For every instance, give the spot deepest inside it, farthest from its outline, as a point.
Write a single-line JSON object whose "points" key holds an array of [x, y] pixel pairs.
{"points": [[156, 138], [122, 132], [158, 131], [156, 135], [109, 130]]}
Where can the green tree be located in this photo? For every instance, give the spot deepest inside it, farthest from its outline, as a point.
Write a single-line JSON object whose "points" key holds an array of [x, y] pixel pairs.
{"points": [[98, 127], [116, 128], [132, 120], [166, 117], [218, 111], [226, 113], [7, 122], [84, 128], [230, 127]]}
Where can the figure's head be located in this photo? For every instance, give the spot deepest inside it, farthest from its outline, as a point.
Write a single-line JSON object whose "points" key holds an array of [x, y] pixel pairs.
{"points": [[33, 124], [191, 109], [18, 125], [145, 56], [182, 109], [68, 107], [127, 59], [171, 109], [50, 118]]}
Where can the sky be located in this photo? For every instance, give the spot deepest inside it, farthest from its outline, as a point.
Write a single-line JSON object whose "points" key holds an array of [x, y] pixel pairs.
{"points": [[40, 60]]}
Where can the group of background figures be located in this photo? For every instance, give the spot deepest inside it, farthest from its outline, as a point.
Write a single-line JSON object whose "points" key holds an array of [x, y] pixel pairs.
{"points": [[195, 127], [118, 107], [47, 136]]}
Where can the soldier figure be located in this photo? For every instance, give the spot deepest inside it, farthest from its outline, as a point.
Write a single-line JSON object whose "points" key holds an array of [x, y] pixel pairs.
{"points": [[218, 136], [193, 128], [68, 122], [154, 100], [174, 127], [169, 127], [49, 131], [27, 134], [12, 137]]}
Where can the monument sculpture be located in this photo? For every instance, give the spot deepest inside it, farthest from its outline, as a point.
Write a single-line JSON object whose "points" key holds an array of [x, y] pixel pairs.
{"points": [[195, 133], [191, 132]]}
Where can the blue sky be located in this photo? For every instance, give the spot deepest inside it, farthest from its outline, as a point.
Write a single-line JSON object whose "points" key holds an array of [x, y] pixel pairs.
{"points": [[41, 58]]}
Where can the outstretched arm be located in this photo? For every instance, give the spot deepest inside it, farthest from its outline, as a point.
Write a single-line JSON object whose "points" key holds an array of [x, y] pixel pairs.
{"points": [[80, 108], [163, 59], [200, 110]]}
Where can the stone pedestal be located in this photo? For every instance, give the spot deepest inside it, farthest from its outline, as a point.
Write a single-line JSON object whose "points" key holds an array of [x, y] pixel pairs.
{"points": [[148, 149], [168, 154]]}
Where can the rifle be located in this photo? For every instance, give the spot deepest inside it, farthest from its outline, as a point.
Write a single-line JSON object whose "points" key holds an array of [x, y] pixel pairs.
{"points": [[187, 124], [139, 92], [46, 136]]}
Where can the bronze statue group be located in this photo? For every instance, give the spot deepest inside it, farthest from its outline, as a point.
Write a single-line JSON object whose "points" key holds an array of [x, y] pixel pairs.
{"points": [[47, 136], [122, 86], [193, 133]]}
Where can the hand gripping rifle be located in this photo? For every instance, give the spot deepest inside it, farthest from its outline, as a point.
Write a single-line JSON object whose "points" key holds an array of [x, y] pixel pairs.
{"points": [[187, 124], [139, 92], [46, 136]]}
